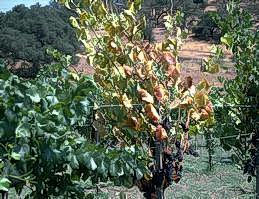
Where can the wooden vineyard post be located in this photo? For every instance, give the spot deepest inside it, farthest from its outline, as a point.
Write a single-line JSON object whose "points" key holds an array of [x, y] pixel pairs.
{"points": [[159, 167], [257, 164], [4, 194]]}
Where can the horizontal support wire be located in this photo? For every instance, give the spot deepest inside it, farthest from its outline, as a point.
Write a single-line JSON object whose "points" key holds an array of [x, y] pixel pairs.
{"points": [[215, 106]]}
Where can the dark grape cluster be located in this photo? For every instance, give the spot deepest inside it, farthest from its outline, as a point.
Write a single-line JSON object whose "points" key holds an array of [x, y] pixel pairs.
{"points": [[171, 172]]}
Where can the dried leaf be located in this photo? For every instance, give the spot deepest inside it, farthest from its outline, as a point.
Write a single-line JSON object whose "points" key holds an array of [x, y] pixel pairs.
{"points": [[152, 113], [145, 96], [128, 70], [160, 92], [173, 72], [140, 74], [204, 114], [161, 133], [169, 58]]}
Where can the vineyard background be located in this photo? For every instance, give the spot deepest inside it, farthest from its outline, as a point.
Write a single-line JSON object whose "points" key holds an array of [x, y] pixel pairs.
{"points": [[225, 179]]}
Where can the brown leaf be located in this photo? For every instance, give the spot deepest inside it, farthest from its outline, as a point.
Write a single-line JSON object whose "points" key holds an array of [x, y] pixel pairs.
{"points": [[169, 58], [152, 113], [161, 133], [209, 108], [128, 70], [204, 115], [160, 92], [173, 72], [145, 96]]}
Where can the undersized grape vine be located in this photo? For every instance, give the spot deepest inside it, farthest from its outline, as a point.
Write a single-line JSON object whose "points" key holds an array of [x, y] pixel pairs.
{"points": [[239, 96]]}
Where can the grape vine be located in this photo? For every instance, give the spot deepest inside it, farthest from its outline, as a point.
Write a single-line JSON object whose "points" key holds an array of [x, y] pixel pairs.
{"points": [[144, 80]]}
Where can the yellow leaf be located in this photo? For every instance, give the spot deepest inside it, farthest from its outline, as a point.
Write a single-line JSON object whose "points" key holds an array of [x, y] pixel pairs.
{"points": [[159, 46], [131, 55], [148, 67], [126, 102], [113, 45], [75, 76], [194, 115], [203, 85], [141, 56], [200, 99]]}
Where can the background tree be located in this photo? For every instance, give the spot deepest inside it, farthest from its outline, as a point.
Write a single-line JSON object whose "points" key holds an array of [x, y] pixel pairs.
{"points": [[26, 33]]}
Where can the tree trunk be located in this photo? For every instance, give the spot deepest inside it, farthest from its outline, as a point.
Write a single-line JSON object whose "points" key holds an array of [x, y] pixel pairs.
{"points": [[159, 167]]}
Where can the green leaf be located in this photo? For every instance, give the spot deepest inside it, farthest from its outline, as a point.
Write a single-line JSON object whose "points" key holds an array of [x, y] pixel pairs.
{"points": [[74, 22], [93, 165], [16, 156], [139, 174], [4, 184], [112, 169], [227, 40], [102, 169], [74, 162], [34, 96], [22, 129], [89, 161]]}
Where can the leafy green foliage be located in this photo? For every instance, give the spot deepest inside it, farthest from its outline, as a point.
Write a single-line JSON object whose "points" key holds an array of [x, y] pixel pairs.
{"points": [[241, 115], [43, 145], [26, 33]]}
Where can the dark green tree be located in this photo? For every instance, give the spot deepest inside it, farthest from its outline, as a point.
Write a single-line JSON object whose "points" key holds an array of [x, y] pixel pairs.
{"points": [[26, 33]]}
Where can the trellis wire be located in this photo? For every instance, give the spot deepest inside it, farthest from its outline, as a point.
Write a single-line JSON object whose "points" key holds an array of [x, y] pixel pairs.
{"points": [[214, 106]]}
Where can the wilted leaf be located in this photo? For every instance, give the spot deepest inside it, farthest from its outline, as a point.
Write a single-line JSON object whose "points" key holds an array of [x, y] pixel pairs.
{"points": [[169, 58], [128, 70], [152, 113], [161, 133], [160, 92], [145, 96]]}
